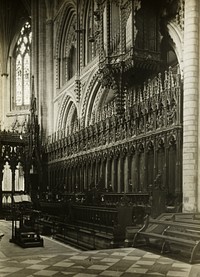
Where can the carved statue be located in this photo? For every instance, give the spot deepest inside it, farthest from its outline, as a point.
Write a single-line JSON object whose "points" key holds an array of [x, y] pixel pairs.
{"points": [[158, 184]]}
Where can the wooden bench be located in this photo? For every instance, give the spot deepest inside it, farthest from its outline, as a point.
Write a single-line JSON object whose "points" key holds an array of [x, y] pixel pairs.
{"points": [[105, 220], [193, 216], [186, 234], [185, 225], [170, 233]]}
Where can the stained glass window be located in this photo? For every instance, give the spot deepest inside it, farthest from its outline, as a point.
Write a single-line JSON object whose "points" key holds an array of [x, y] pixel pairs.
{"points": [[23, 67], [19, 80]]}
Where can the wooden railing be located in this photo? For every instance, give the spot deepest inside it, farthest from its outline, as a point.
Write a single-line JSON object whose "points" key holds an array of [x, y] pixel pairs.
{"points": [[103, 199], [101, 219], [111, 199], [87, 225]]}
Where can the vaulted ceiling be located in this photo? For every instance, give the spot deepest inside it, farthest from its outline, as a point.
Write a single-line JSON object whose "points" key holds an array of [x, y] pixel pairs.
{"points": [[12, 16]]}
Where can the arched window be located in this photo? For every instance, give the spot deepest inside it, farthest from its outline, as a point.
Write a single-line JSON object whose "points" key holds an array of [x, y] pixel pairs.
{"points": [[72, 62], [91, 29], [22, 68]]}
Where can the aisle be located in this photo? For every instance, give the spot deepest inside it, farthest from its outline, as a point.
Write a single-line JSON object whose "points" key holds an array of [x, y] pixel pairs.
{"points": [[56, 259]]}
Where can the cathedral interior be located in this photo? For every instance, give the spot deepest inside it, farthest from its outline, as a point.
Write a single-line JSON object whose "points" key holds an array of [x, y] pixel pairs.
{"points": [[99, 122]]}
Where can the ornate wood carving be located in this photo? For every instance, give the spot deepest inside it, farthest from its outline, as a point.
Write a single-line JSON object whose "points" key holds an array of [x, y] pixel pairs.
{"points": [[148, 127]]}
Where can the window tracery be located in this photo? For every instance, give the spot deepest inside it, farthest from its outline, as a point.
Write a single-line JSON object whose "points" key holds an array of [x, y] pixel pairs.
{"points": [[69, 52], [91, 31], [22, 68]]}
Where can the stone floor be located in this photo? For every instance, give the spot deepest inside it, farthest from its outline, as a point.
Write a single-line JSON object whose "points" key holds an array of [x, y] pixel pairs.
{"points": [[56, 259]]}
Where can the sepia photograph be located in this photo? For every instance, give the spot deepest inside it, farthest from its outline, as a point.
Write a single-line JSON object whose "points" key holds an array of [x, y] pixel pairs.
{"points": [[99, 138]]}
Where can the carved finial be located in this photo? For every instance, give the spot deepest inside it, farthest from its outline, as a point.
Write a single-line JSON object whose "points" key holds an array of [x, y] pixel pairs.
{"points": [[166, 80], [171, 79], [178, 76]]}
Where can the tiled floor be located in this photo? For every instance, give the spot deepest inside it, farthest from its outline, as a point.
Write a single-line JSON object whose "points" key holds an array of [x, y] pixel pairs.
{"points": [[56, 259]]}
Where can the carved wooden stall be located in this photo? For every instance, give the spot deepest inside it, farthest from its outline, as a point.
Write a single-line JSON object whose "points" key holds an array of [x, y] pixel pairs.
{"points": [[92, 220], [124, 153], [21, 148], [125, 143], [13, 147]]}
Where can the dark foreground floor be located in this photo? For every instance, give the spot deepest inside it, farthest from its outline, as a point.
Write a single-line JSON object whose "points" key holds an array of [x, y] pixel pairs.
{"points": [[56, 259]]}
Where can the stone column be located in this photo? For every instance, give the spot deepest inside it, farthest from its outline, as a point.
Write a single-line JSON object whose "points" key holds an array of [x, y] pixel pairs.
{"points": [[191, 106], [3, 100], [49, 77], [13, 168], [39, 58], [1, 180]]}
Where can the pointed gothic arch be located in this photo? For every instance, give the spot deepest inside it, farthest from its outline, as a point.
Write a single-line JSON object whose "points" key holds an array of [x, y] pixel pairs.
{"points": [[65, 41], [68, 115], [176, 35], [20, 63]]}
